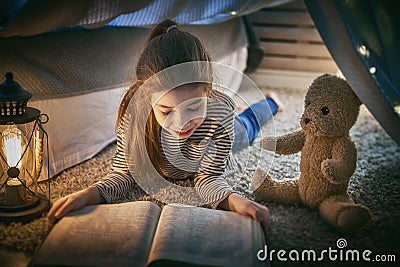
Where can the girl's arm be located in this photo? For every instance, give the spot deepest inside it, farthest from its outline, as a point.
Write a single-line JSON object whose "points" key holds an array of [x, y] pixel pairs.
{"points": [[75, 201], [209, 179], [214, 188], [114, 186], [118, 183]]}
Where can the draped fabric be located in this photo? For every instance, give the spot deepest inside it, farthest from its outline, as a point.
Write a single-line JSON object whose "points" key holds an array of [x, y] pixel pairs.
{"points": [[29, 17], [75, 62], [363, 37]]}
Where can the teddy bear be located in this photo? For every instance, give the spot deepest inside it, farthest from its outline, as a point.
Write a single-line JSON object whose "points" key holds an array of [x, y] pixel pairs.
{"points": [[328, 157]]}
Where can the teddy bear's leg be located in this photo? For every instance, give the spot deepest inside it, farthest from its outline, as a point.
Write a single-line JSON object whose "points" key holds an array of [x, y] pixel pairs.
{"points": [[343, 214], [285, 191]]}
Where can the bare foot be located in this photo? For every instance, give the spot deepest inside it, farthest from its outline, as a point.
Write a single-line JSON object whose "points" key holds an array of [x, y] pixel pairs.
{"points": [[240, 108], [274, 97]]}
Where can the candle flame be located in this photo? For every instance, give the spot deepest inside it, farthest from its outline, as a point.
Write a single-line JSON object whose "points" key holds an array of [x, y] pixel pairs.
{"points": [[12, 147]]}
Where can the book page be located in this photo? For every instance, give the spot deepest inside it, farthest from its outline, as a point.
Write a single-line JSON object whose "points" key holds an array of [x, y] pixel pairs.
{"points": [[101, 235], [206, 237]]}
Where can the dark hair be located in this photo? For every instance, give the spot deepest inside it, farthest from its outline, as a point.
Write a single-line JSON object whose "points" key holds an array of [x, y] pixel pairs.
{"points": [[167, 45]]}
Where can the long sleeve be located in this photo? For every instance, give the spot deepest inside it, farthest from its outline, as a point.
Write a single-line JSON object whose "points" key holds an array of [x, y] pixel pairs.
{"points": [[210, 180], [118, 183]]}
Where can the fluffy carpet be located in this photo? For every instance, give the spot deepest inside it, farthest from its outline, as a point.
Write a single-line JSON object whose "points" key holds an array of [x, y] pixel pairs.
{"points": [[374, 184]]}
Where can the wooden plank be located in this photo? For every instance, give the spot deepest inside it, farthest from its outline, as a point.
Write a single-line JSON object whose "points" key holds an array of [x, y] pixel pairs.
{"points": [[296, 49], [281, 18], [290, 40], [298, 80], [289, 33], [314, 65]]}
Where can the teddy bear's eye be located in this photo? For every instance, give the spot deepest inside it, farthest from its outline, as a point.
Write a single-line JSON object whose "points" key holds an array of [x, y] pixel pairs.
{"points": [[325, 110], [308, 103]]}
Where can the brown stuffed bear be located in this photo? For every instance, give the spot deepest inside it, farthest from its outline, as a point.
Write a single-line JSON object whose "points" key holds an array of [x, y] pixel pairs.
{"points": [[328, 156]]}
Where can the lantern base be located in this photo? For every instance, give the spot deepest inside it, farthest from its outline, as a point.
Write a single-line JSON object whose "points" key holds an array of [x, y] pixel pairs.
{"points": [[27, 214]]}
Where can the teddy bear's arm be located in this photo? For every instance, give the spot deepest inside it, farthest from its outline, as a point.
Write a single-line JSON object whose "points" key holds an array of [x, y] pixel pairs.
{"points": [[342, 165], [286, 144]]}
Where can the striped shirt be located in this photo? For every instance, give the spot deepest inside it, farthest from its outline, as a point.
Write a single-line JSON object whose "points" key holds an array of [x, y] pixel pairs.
{"points": [[204, 157]]}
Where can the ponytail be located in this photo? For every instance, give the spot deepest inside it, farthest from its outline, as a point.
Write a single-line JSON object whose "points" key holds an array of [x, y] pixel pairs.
{"points": [[161, 28]]}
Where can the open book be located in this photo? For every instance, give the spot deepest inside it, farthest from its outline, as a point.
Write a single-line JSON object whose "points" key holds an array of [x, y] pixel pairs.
{"points": [[142, 234]]}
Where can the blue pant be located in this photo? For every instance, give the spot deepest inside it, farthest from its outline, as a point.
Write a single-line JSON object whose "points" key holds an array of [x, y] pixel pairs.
{"points": [[247, 124]]}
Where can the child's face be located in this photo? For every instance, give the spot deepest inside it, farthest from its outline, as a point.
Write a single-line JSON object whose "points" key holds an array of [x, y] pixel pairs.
{"points": [[181, 110]]}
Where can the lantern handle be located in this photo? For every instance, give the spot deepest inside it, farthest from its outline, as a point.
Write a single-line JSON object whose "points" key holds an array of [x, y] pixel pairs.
{"points": [[46, 118], [9, 77]]}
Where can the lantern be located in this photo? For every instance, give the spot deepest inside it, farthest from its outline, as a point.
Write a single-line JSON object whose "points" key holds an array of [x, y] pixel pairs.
{"points": [[23, 143]]}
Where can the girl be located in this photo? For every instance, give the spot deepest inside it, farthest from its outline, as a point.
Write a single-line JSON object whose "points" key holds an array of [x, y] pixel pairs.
{"points": [[178, 123]]}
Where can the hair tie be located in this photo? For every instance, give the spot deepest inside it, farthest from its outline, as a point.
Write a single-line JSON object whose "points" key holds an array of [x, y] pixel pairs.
{"points": [[172, 27]]}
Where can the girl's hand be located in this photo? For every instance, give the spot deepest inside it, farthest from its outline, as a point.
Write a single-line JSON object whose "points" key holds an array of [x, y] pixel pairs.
{"points": [[75, 201], [246, 207]]}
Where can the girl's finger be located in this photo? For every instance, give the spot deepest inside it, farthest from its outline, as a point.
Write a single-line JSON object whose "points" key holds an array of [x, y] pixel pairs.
{"points": [[263, 216], [55, 208], [255, 213], [69, 205], [266, 222]]}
